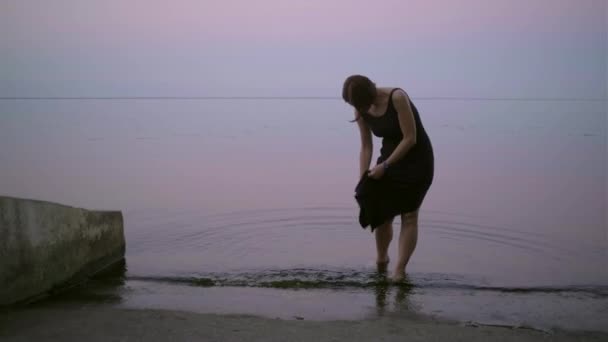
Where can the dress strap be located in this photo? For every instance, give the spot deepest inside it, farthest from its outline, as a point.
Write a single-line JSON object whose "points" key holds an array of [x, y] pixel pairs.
{"points": [[390, 99]]}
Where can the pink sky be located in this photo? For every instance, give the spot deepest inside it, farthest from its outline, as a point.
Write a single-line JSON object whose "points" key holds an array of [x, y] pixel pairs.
{"points": [[305, 20], [154, 46]]}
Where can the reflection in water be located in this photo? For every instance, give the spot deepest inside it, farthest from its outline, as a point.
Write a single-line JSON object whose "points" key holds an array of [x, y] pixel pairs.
{"points": [[105, 287], [383, 289], [114, 275]]}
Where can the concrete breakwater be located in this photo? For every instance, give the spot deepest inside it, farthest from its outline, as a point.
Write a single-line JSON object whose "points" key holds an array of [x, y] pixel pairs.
{"points": [[44, 246]]}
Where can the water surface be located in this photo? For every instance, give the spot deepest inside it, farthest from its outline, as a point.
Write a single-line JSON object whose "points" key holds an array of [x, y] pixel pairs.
{"points": [[258, 193]]}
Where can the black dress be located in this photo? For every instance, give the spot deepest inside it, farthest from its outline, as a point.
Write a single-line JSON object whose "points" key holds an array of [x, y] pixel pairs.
{"points": [[406, 182]]}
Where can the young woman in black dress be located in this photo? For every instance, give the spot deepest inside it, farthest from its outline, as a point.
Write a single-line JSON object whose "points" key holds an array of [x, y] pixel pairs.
{"points": [[405, 165]]}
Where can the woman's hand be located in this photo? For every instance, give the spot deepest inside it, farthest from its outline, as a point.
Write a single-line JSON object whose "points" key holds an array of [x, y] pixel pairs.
{"points": [[377, 172]]}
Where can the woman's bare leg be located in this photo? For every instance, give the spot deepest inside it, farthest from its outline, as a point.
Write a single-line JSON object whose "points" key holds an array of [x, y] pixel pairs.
{"points": [[408, 237], [384, 235]]}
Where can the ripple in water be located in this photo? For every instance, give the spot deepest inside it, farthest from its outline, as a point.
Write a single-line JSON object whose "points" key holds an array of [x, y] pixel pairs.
{"points": [[174, 244], [353, 279]]}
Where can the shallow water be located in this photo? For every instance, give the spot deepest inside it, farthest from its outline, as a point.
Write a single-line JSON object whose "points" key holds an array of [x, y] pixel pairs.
{"points": [[312, 294], [224, 191]]}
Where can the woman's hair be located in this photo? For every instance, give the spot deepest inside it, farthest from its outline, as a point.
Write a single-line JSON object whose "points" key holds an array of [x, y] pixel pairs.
{"points": [[359, 91]]}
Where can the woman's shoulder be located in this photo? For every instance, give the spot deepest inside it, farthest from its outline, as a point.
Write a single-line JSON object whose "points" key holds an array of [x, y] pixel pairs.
{"points": [[393, 91], [386, 90]]}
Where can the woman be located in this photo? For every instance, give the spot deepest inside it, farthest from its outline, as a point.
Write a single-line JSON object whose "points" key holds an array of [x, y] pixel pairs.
{"points": [[405, 166]]}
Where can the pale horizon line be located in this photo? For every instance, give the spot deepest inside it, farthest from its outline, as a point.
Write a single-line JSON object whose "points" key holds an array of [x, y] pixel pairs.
{"points": [[433, 98]]}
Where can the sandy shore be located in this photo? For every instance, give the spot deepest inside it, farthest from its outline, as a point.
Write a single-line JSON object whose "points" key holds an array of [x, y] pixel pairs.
{"points": [[94, 323]]}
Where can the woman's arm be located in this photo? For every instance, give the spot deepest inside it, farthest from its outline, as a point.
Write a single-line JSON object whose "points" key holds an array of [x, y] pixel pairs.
{"points": [[365, 155]]}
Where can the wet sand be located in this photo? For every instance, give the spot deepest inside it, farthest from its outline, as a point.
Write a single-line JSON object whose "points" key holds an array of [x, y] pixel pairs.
{"points": [[102, 323]]}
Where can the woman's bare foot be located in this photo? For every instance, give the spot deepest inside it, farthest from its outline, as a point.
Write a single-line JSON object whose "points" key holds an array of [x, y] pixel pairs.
{"points": [[382, 264], [398, 275]]}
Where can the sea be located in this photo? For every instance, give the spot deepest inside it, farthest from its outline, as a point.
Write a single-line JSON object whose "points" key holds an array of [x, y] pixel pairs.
{"points": [[246, 206]]}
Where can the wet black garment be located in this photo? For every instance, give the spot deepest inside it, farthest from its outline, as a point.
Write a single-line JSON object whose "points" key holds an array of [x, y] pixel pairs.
{"points": [[379, 201], [406, 182], [368, 194]]}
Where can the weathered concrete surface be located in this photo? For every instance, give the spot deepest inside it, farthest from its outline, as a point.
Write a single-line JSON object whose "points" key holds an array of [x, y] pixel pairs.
{"points": [[45, 246]]}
